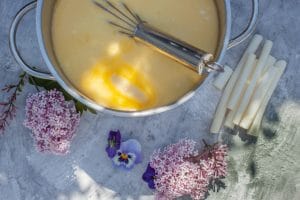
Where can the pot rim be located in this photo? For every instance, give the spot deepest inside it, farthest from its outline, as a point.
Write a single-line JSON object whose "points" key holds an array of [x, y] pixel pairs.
{"points": [[90, 103]]}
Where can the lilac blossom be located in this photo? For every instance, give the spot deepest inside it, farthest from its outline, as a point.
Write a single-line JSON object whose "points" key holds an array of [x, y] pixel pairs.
{"points": [[180, 169], [53, 121], [213, 159]]}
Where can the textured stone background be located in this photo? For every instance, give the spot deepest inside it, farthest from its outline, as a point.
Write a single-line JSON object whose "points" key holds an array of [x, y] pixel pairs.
{"points": [[267, 169]]}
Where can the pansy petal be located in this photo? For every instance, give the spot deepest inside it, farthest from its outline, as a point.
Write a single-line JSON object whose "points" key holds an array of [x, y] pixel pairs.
{"points": [[132, 157], [150, 169], [151, 184], [139, 158], [114, 142], [149, 173], [129, 165], [111, 152], [118, 139], [116, 161], [122, 165], [147, 177], [132, 146], [115, 136]]}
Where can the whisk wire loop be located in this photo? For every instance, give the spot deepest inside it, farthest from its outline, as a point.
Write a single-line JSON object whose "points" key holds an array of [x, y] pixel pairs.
{"points": [[129, 23], [119, 26], [134, 15], [121, 12]]}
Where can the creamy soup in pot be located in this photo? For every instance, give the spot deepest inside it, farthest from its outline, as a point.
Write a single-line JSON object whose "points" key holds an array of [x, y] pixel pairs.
{"points": [[120, 73]]}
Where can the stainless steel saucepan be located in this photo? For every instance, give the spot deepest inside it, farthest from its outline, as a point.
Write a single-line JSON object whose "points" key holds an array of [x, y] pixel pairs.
{"points": [[44, 11]]}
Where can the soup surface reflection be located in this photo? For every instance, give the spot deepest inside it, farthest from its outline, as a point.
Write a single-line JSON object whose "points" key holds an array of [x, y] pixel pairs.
{"points": [[120, 73]]}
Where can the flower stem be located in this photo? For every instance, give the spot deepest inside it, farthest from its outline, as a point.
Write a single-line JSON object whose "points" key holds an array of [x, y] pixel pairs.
{"points": [[8, 110], [205, 143], [197, 158]]}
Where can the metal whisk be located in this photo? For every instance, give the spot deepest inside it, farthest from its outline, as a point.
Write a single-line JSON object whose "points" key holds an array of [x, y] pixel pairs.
{"points": [[132, 25]]}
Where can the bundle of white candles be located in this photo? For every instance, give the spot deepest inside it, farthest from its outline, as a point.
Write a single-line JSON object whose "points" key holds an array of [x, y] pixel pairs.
{"points": [[248, 88]]}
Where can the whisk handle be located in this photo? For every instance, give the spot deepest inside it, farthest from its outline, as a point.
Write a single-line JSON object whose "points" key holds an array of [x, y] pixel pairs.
{"points": [[190, 56]]}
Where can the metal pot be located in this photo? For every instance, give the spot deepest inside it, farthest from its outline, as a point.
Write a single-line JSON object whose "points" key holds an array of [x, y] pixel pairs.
{"points": [[43, 24]]}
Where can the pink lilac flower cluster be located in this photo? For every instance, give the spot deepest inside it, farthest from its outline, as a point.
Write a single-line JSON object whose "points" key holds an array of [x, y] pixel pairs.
{"points": [[213, 159], [176, 174], [53, 121]]}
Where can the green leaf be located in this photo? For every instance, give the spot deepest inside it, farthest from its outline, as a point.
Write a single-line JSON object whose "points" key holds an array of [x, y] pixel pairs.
{"points": [[22, 82], [31, 82], [91, 110], [67, 96], [85, 108], [79, 107], [22, 75]]}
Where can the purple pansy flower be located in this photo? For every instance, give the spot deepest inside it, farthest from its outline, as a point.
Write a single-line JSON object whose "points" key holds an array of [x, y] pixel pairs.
{"points": [[129, 154], [114, 143], [149, 176]]}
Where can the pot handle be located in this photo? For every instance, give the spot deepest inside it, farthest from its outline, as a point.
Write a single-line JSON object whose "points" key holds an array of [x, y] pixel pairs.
{"points": [[13, 44], [250, 27]]}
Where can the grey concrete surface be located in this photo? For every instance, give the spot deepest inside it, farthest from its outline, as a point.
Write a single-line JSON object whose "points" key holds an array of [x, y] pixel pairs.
{"points": [[268, 169]]}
